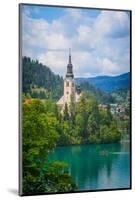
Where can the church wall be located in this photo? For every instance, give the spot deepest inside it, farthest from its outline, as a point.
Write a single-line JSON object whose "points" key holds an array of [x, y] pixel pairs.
{"points": [[69, 89]]}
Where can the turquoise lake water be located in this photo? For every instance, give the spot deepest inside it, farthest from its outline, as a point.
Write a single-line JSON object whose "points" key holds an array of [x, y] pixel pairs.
{"points": [[99, 166]]}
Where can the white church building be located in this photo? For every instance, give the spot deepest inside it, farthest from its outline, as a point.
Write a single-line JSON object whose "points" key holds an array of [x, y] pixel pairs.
{"points": [[70, 90]]}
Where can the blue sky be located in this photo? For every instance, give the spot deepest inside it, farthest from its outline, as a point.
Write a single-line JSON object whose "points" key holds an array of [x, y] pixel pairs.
{"points": [[50, 13], [99, 40]]}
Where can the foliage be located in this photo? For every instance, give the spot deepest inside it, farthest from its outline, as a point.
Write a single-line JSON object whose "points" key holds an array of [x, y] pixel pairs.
{"points": [[122, 96], [100, 95], [58, 179], [40, 134], [88, 124], [106, 135], [40, 93]]}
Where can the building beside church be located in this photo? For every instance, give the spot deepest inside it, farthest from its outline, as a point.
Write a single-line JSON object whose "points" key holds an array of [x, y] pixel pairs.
{"points": [[71, 92]]}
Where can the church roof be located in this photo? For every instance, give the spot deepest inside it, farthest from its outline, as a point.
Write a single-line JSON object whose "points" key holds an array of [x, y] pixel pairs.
{"points": [[61, 101]]}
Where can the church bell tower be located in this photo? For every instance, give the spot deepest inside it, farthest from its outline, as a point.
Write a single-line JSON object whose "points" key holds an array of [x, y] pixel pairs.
{"points": [[69, 83]]}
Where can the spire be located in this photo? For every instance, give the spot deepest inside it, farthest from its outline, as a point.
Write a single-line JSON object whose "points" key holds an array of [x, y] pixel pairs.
{"points": [[70, 67], [69, 56]]}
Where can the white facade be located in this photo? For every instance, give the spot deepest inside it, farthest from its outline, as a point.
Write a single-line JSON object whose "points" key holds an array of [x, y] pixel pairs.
{"points": [[69, 90]]}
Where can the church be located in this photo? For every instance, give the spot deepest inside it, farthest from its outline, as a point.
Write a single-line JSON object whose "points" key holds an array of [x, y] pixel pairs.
{"points": [[71, 92]]}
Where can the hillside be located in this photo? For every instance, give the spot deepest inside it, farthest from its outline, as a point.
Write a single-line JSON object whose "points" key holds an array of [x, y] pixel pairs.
{"points": [[99, 95], [108, 83], [122, 96], [39, 81]]}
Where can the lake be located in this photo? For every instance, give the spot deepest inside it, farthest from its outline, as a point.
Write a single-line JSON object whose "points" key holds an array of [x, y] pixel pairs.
{"points": [[96, 166]]}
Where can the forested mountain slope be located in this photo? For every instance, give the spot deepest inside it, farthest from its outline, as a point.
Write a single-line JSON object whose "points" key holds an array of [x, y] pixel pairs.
{"points": [[39, 81], [108, 83]]}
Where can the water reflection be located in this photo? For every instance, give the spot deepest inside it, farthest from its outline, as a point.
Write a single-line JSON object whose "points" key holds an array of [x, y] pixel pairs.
{"points": [[96, 166]]}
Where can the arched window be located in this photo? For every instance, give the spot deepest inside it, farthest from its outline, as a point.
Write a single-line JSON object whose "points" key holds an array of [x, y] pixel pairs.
{"points": [[72, 84]]}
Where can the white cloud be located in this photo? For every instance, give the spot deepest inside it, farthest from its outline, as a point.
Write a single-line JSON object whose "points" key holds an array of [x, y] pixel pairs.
{"points": [[57, 61], [112, 23], [100, 45], [109, 66]]}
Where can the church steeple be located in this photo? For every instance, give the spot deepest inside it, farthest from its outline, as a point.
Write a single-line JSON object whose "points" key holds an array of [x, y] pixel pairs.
{"points": [[69, 56], [69, 93], [69, 73]]}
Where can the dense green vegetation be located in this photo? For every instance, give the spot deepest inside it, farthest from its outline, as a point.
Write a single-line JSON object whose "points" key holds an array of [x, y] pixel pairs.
{"points": [[39, 81], [101, 96], [86, 123], [121, 96], [40, 135]]}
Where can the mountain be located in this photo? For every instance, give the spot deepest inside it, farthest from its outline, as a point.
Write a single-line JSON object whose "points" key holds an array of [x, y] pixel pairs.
{"points": [[39, 81], [101, 96], [108, 83]]}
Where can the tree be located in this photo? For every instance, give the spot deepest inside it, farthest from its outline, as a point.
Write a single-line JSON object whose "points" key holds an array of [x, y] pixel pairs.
{"points": [[72, 111], [40, 135], [66, 112]]}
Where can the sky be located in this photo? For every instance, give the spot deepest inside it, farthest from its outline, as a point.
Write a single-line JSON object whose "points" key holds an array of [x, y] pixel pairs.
{"points": [[99, 39]]}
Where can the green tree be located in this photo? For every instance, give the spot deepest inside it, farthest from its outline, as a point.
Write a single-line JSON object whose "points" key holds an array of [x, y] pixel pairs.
{"points": [[40, 135], [66, 112]]}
